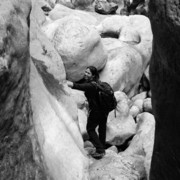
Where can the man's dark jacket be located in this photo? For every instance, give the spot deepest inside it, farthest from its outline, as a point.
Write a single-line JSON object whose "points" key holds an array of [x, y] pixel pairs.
{"points": [[91, 94]]}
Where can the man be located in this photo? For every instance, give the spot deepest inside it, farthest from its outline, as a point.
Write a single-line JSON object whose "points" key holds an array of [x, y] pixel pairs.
{"points": [[97, 117]]}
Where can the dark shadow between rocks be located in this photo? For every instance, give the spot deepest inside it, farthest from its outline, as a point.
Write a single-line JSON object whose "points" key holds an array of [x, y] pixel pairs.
{"points": [[110, 35]]}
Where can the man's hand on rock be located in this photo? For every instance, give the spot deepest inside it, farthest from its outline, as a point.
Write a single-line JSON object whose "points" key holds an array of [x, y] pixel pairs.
{"points": [[69, 83]]}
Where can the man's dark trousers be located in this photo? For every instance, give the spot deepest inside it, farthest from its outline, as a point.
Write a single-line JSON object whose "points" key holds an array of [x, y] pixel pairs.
{"points": [[97, 118]]}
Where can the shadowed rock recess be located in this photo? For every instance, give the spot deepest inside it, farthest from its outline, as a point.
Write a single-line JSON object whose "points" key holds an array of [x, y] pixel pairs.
{"points": [[165, 86], [19, 151]]}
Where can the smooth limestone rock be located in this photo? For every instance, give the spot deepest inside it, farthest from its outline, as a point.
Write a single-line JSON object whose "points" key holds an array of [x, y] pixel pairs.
{"points": [[21, 156], [61, 11], [42, 50], [142, 143], [115, 166], [142, 95], [78, 44], [134, 111], [58, 134], [67, 3], [165, 87], [147, 105], [123, 69], [81, 4], [120, 125], [77, 4], [79, 98], [129, 51]]}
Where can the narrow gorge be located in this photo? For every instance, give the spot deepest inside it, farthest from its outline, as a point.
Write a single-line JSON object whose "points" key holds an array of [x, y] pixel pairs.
{"points": [[135, 47]]}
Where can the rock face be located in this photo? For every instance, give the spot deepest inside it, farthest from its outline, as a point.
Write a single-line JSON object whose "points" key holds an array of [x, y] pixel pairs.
{"points": [[41, 48], [78, 44], [39, 133], [135, 7], [19, 151], [142, 142], [55, 114], [165, 86], [122, 126], [116, 166], [129, 51], [60, 11], [57, 132]]}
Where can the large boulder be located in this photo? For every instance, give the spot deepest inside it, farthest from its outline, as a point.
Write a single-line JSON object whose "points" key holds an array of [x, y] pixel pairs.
{"points": [[55, 113], [116, 166], [58, 134], [129, 51], [147, 105], [77, 4], [121, 125], [142, 143], [41, 49], [165, 87], [105, 7], [60, 11], [67, 3], [39, 130], [78, 44]]}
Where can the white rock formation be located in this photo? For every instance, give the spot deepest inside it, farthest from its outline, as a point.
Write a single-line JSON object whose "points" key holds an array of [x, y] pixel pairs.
{"points": [[117, 167], [129, 53], [142, 143], [78, 44], [58, 134], [123, 126], [147, 105], [61, 11]]}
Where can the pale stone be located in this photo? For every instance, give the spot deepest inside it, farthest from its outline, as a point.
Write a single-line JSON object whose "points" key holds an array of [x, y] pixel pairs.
{"points": [[142, 95], [142, 143], [78, 44], [42, 50], [134, 111], [121, 124], [58, 134], [129, 35], [113, 148], [82, 120], [128, 54], [61, 11], [164, 77], [79, 98], [123, 69], [147, 106], [37, 14], [79, 4], [116, 167]]}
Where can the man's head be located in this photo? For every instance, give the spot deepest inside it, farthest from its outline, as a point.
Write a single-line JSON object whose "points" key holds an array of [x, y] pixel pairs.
{"points": [[91, 74]]}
